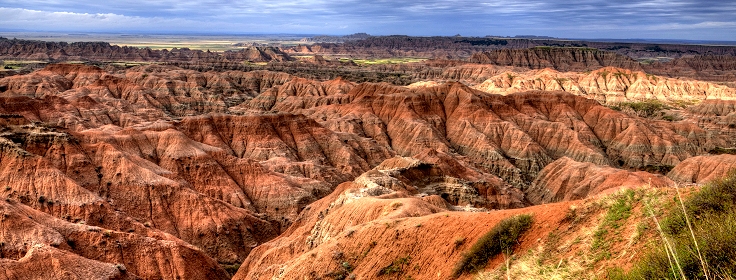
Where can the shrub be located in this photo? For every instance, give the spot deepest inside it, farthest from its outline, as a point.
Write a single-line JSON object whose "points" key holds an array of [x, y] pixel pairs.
{"points": [[660, 169], [720, 151], [396, 267], [500, 239], [231, 268], [646, 108], [712, 213]]}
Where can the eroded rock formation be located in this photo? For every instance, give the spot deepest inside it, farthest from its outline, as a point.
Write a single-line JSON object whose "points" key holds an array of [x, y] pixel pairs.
{"points": [[177, 173], [702, 169], [561, 59], [608, 85]]}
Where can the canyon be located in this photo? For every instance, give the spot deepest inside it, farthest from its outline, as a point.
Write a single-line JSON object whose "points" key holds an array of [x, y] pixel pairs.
{"points": [[201, 165]]}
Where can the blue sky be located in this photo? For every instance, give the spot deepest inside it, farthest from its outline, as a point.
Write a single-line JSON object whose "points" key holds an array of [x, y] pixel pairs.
{"points": [[657, 19]]}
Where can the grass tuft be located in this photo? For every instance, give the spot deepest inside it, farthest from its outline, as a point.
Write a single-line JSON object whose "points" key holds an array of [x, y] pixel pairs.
{"points": [[699, 238], [500, 239]]}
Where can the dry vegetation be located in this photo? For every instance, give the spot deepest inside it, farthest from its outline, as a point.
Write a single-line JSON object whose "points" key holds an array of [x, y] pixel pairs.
{"points": [[639, 234]]}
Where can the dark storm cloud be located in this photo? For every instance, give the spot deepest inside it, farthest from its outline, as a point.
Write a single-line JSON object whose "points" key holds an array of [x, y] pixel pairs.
{"points": [[686, 19]]}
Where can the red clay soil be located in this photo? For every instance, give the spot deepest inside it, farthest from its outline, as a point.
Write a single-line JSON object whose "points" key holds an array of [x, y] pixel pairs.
{"points": [[370, 233]]}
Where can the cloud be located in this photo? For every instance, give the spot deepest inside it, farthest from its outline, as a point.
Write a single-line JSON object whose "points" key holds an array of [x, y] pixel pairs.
{"points": [[686, 19]]}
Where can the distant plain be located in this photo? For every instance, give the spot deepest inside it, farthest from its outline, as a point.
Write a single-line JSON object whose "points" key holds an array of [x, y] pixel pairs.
{"points": [[158, 42]]}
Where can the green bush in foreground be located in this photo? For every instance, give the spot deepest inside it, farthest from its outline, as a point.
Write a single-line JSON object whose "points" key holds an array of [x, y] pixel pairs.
{"points": [[500, 239], [712, 213]]}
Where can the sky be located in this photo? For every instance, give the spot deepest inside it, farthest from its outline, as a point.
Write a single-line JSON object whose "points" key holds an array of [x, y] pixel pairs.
{"points": [[615, 19]]}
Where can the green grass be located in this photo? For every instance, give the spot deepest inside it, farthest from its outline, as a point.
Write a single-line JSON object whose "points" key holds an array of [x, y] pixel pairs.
{"points": [[616, 216], [720, 151], [646, 108], [659, 169], [231, 268], [500, 239], [396, 267], [396, 60], [712, 213], [18, 64]]}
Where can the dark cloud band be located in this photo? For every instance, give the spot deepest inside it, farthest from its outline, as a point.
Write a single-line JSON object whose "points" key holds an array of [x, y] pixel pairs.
{"points": [[684, 19]]}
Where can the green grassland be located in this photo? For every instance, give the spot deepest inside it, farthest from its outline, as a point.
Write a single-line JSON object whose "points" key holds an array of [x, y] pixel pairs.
{"points": [[379, 61], [17, 64], [194, 45]]}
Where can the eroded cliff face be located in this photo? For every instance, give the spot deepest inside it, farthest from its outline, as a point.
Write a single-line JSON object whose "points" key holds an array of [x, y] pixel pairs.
{"points": [[561, 59], [608, 85], [718, 68], [175, 173], [702, 169], [566, 179]]}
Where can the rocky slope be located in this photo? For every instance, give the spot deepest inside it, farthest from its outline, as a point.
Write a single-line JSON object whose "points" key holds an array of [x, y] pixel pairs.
{"points": [[561, 59], [358, 232], [566, 179], [719, 68], [607, 85], [345, 233], [702, 169]]}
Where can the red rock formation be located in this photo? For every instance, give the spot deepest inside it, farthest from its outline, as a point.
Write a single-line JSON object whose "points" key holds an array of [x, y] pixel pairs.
{"points": [[368, 232], [485, 127], [702, 169], [566, 179], [608, 85], [45, 262], [561, 59], [32, 239], [718, 68], [182, 167]]}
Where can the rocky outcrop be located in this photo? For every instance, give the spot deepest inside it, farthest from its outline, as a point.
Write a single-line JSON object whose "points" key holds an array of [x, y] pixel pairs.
{"points": [[718, 68], [99, 182], [407, 121], [224, 184], [357, 231], [455, 119], [454, 182], [608, 85], [37, 245], [46, 262], [702, 169], [560, 59], [566, 179], [720, 108]]}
